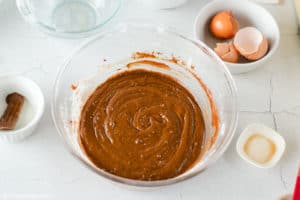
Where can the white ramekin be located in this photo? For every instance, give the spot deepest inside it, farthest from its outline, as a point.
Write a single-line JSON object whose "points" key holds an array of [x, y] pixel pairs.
{"points": [[34, 97]]}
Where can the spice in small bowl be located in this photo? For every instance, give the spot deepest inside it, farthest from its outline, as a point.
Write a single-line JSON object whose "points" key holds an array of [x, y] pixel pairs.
{"points": [[9, 119], [21, 107], [260, 146]]}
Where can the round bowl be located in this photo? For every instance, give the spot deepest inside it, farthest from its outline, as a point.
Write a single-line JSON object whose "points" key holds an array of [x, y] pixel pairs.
{"points": [[74, 18], [247, 14], [95, 61], [32, 110]]}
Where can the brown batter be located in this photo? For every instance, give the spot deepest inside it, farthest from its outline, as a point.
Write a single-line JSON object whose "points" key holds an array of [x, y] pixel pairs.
{"points": [[142, 125]]}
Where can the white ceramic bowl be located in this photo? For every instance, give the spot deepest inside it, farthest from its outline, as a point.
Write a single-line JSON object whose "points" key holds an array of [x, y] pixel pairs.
{"points": [[165, 4], [247, 14], [267, 132], [32, 110]]}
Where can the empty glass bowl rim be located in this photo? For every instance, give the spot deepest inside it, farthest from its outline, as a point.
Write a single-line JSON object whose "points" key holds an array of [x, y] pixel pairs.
{"points": [[212, 155], [33, 20]]}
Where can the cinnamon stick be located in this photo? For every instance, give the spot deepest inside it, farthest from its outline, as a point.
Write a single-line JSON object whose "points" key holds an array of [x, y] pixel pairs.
{"points": [[11, 115]]}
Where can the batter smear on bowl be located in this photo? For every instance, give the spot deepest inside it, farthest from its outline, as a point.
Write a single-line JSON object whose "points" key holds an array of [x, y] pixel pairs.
{"points": [[143, 125]]}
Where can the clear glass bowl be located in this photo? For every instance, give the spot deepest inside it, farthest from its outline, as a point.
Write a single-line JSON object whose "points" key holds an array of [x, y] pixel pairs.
{"points": [[68, 18], [85, 65]]}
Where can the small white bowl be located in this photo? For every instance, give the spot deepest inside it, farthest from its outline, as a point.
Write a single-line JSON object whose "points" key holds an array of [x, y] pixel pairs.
{"points": [[267, 132], [247, 14], [32, 110]]}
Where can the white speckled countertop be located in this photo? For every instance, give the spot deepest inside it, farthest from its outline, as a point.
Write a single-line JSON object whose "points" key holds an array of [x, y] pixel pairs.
{"points": [[41, 168]]}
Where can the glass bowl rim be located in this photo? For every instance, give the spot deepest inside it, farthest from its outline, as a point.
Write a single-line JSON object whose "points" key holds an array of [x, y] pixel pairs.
{"points": [[211, 157], [49, 29]]}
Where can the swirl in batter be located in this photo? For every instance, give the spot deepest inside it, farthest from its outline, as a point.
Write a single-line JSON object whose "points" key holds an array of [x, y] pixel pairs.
{"points": [[142, 125]]}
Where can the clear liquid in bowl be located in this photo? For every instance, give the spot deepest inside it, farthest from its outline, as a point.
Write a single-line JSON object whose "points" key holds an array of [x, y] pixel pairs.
{"points": [[74, 16]]}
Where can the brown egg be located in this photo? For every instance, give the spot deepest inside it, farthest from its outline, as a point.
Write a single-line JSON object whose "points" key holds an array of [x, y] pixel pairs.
{"points": [[224, 25], [227, 52], [251, 43]]}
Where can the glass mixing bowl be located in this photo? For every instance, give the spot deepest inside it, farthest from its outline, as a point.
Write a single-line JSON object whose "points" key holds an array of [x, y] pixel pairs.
{"points": [[89, 66], [68, 18]]}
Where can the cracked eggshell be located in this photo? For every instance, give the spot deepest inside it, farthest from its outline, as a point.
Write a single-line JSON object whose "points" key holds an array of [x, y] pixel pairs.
{"points": [[251, 43], [227, 52]]}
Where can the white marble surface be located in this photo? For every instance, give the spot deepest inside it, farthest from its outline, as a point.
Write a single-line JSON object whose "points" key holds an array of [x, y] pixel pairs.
{"points": [[41, 168]]}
